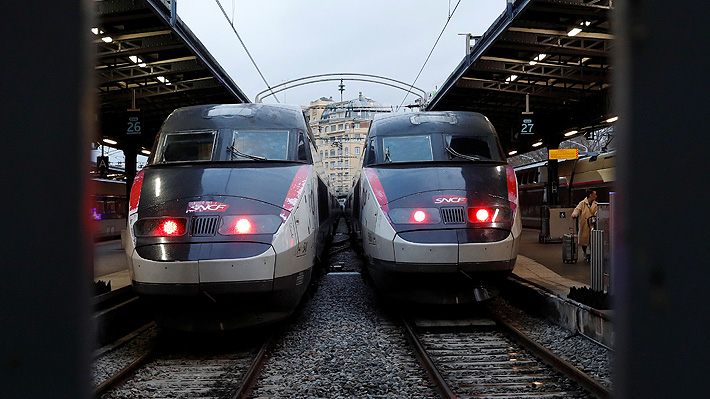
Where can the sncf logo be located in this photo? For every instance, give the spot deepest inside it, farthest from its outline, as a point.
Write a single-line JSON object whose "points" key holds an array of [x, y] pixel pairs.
{"points": [[449, 199], [206, 206]]}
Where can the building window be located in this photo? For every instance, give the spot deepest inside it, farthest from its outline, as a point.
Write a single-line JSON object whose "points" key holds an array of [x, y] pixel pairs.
{"points": [[340, 164], [340, 151], [332, 153], [347, 163], [321, 154], [340, 177], [332, 176], [340, 126], [347, 126], [346, 151], [356, 125], [357, 150]]}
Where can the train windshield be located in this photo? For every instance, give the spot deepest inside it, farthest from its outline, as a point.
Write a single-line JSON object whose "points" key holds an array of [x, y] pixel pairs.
{"points": [[474, 148], [259, 145], [407, 149], [186, 146]]}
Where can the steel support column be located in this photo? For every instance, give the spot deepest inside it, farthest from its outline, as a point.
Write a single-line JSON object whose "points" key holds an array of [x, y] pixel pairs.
{"points": [[47, 113], [661, 265]]}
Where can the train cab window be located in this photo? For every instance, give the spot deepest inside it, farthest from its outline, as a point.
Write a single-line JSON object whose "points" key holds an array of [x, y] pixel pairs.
{"points": [[302, 148], [259, 146], [468, 146], [406, 149], [187, 146]]}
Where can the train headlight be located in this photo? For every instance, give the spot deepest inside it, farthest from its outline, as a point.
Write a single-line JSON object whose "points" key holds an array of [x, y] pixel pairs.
{"points": [[249, 224], [493, 214], [160, 227], [414, 216]]}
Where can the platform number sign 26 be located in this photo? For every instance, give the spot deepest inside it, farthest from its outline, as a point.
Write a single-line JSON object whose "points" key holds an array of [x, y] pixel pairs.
{"points": [[133, 123], [527, 126]]}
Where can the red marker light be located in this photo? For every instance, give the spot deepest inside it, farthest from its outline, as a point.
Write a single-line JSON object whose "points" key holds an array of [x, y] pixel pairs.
{"points": [[242, 226], [419, 216], [482, 215], [169, 227]]}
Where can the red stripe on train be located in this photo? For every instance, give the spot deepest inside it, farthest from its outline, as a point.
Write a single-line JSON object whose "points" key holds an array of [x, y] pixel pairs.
{"points": [[294, 192], [377, 188], [136, 192]]}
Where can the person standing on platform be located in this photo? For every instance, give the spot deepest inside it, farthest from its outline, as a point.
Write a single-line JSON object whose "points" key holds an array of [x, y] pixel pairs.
{"points": [[584, 210]]}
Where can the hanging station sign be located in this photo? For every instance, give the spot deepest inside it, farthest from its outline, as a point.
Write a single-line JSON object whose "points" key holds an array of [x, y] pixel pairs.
{"points": [[134, 118], [563, 154]]}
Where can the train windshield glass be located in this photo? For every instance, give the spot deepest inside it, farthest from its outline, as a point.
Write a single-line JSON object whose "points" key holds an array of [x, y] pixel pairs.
{"points": [[187, 146], [407, 149], [468, 147], [259, 146]]}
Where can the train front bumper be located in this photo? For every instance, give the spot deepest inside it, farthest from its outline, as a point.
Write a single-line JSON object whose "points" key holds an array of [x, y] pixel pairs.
{"points": [[413, 257], [214, 276]]}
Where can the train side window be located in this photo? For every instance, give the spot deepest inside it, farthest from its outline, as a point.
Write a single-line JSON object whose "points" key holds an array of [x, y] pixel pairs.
{"points": [[302, 148], [370, 153]]}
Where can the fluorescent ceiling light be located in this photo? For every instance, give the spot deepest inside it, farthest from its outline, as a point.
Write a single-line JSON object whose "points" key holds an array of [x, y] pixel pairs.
{"points": [[587, 23], [539, 143], [135, 59], [162, 79], [96, 31], [511, 78], [612, 119], [146, 152], [585, 59], [142, 65], [109, 141], [574, 32], [571, 133], [538, 58], [107, 39], [513, 152]]}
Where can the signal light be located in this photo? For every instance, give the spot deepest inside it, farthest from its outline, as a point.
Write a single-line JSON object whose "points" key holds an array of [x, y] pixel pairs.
{"points": [[169, 227], [242, 226], [482, 215], [160, 227], [419, 216], [250, 224]]}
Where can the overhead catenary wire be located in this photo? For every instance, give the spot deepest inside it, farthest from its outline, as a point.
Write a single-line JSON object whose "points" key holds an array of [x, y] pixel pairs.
{"points": [[451, 14], [234, 29]]}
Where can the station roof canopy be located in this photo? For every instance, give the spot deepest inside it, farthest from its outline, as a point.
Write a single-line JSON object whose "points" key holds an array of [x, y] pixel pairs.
{"points": [[555, 51], [143, 54]]}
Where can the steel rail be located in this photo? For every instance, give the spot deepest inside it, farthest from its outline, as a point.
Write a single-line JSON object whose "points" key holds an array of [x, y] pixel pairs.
{"points": [[428, 363], [252, 374], [123, 374], [595, 387]]}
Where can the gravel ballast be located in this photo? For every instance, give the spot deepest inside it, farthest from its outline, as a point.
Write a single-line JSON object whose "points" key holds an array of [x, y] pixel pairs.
{"points": [[341, 346]]}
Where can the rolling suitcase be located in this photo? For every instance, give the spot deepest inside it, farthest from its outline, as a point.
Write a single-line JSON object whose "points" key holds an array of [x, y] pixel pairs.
{"points": [[569, 246]]}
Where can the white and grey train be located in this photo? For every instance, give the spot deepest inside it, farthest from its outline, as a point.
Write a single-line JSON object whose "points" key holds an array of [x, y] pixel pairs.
{"points": [[228, 217], [435, 207]]}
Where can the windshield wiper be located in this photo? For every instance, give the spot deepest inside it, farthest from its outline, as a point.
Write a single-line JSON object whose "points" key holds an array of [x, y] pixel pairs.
{"points": [[234, 151], [457, 154]]}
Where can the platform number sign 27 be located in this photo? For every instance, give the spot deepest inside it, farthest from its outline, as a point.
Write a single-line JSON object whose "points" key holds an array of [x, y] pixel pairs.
{"points": [[133, 123], [527, 126]]}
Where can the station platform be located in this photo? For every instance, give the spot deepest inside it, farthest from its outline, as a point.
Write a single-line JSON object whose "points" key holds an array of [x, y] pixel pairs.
{"points": [[538, 263]]}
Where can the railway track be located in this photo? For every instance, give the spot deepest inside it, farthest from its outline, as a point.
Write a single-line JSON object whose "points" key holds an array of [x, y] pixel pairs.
{"points": [[178, 369], [489, 358]]}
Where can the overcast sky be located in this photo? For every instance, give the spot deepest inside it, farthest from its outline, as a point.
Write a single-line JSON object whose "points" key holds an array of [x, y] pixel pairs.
{"points": [[290, 39]]}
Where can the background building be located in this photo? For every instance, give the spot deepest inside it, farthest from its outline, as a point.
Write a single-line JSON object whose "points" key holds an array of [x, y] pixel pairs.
{"points": [[340, 129]]}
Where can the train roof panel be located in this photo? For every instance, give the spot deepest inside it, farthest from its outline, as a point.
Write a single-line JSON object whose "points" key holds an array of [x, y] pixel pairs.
{"points": [[420, 122], [240, 116]]}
